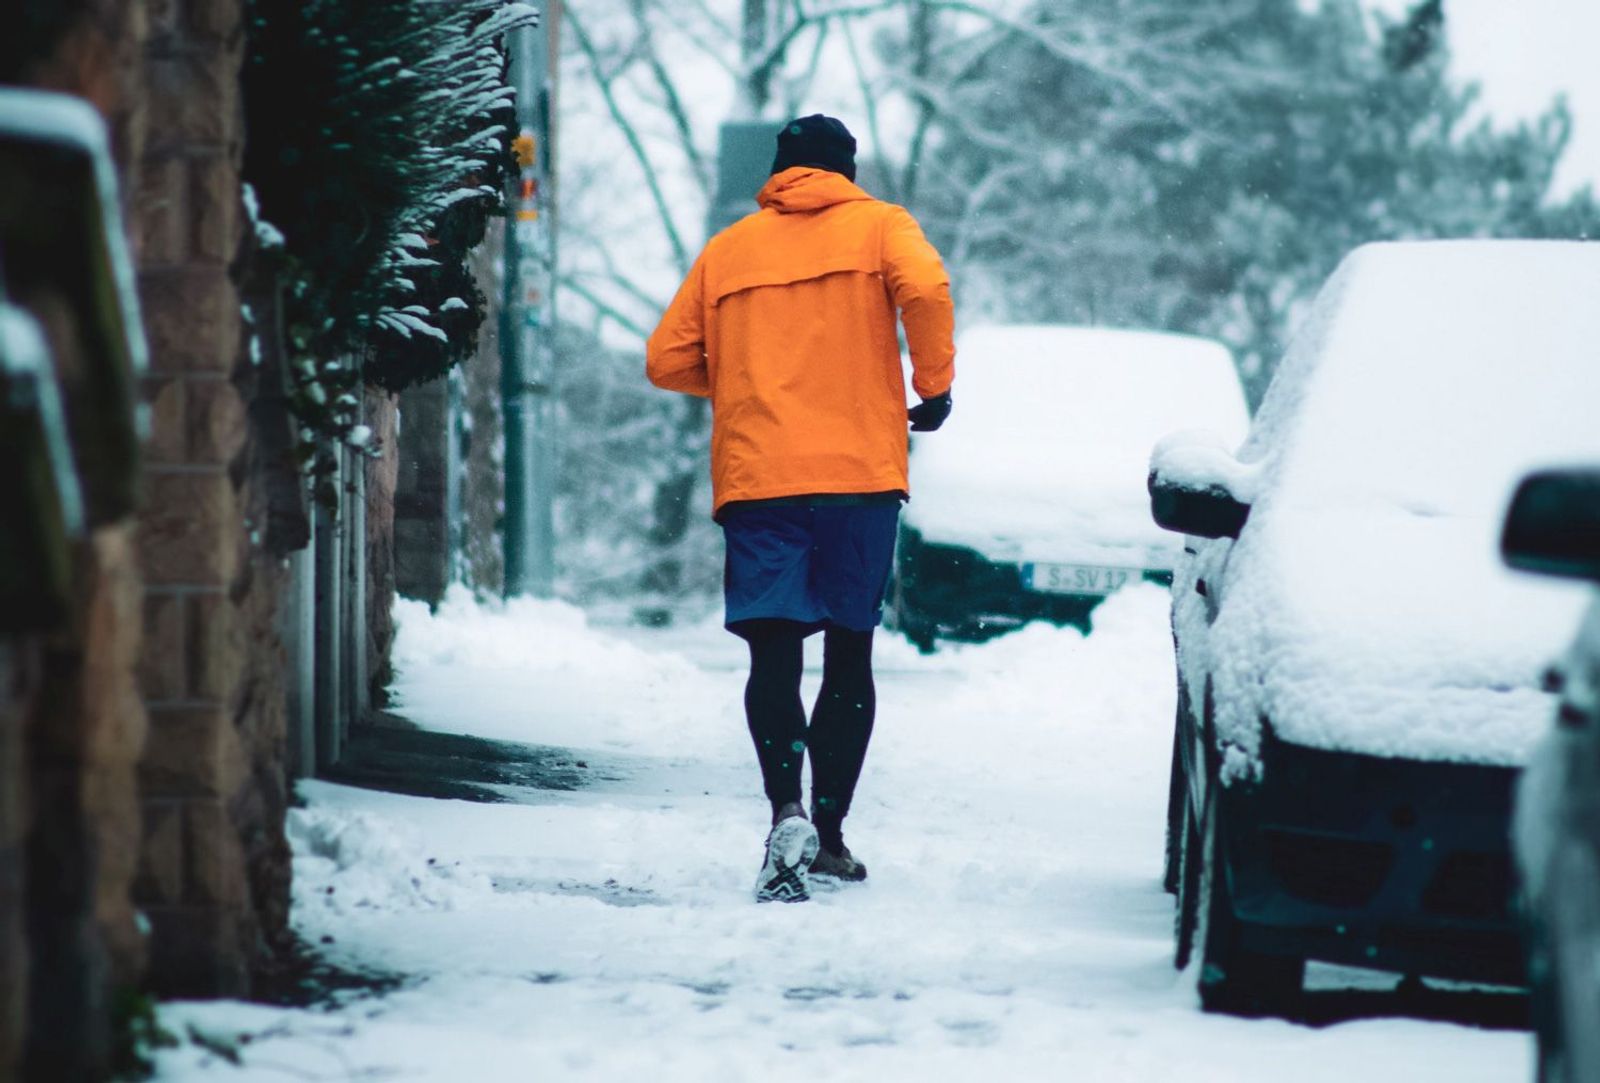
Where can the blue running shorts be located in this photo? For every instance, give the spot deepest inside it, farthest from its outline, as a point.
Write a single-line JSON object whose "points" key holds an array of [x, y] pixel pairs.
{"points": [[819, 565]]}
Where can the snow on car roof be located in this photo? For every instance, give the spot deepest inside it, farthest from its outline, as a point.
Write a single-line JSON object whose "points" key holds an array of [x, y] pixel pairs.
{"points": [[1045, 454], [1367, 590], [1437, 373]]}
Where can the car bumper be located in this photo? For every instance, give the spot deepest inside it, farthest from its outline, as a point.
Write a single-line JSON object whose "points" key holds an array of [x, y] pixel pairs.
{"points": [[1395, 864], [962, 594]]}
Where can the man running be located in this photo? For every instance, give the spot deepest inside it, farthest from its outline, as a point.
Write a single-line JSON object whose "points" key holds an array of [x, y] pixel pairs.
{"points": [[787, 323]]}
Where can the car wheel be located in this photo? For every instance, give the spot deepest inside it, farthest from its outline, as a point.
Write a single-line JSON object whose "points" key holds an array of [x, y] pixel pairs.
{"points": [[1188, 907], [1233, 978], [1175, 823], [1570, 986], [1545, 989], [920, 632]]}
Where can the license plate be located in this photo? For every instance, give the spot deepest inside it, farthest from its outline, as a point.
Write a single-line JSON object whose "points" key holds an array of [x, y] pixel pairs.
{"points": [[1077, 578]]}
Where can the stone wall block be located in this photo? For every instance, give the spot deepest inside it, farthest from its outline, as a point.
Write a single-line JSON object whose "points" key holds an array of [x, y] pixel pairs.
{"points": [[14, 806], [198, 951], [382, 415], [215, 647], [169, 440], [216, 19], [192, 752], [188, 531], [13, 960], [219, 422], [161, 875], [163, 16], [161, 207], [192, 319], [216, 871], [112, 715], [163, 672], [193, 100], [112, 797], [218, 208]]}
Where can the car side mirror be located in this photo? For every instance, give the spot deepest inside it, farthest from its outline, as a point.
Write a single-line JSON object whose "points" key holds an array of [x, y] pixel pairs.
{"points": [[1197, 487], [1553, 527]]}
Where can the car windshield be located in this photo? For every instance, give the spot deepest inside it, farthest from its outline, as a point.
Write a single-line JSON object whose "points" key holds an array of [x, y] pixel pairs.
{"points": [[1425, 379]]}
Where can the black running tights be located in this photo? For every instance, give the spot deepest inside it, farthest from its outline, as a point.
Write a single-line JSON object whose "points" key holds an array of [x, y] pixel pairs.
{"points": [[841, 721]]}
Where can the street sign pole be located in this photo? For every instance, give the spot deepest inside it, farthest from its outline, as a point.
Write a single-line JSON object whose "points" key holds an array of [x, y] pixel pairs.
{"points": [[527, 347]]}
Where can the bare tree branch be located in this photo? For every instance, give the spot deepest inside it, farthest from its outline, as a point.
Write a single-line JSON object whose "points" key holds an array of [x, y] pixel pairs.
{"points": [[603, 307], [869, 106], [673, 102], [606, 83], [922, 26], [800, 88]]}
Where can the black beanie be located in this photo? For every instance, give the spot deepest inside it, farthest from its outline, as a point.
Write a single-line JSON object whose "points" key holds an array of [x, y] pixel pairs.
{"points": [[817, 141]]}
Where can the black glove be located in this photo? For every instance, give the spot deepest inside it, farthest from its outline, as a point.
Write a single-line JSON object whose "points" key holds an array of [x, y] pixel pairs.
{"points": [[929, 414]]}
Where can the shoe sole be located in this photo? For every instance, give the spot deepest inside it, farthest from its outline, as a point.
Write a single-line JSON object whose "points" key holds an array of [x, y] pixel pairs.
{"points": [[791, 848]]}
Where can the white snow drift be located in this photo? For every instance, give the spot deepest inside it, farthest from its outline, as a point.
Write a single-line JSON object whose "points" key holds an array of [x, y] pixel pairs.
{"points": [[1014, 926]]}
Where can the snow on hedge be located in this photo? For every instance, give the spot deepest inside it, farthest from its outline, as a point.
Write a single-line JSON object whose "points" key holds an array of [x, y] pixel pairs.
{"points": [[1046, 452], [1367, 607]]}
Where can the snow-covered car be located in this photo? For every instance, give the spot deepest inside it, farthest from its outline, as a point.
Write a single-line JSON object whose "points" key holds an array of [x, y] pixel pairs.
{"points": [[1553, 528], [1359, 676], [1030, 504]]}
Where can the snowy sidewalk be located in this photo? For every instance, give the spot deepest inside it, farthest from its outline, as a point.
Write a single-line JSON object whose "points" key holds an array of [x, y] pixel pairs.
{"points": [[1014, 926]]}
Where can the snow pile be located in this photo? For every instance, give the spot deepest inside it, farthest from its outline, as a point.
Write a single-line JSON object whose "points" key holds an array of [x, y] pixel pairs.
{"points": [[1046, 454], [1044, 678], [530, 634], [512, 648], [1366, 599], [346, 863]]}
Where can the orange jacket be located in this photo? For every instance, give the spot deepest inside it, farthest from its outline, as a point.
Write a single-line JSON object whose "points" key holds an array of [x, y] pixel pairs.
{"points": [[787, 323]]}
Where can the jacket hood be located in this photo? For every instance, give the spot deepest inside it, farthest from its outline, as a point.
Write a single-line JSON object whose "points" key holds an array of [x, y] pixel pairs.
{"points": [[801, 189]]}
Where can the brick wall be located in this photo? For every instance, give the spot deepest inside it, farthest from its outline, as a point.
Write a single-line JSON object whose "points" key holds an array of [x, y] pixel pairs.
{"points": [[71, 723], [483, 490], [213, 878], [424, 475], [17, 681], [181, 805], [84, 738], [381, 413]]}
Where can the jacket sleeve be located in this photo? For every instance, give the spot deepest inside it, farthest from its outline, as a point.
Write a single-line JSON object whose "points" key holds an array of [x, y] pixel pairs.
{"points": [[921, 291], [675, 355]]}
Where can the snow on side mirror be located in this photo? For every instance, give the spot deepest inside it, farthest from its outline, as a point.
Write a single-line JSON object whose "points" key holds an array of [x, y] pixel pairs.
{"points": [[1553, 527], [1197, 487]]}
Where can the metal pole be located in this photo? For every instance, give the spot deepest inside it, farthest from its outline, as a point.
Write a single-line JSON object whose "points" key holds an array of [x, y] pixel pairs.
{"points": [[528, 360], [356, 693], [299, 630], [329, 630]]}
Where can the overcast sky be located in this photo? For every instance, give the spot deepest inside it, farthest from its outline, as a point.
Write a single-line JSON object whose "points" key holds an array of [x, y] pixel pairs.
{"points": [[1525, 52]]}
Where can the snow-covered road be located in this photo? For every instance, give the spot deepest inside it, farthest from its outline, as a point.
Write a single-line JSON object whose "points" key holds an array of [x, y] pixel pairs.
{"points": [[1014, 925]]}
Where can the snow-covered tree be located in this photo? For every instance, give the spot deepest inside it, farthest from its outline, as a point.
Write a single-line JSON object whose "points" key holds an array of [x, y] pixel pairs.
{"points": [[1145, 163], [1207, 176]]}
